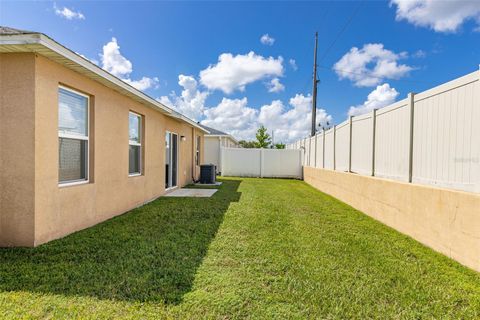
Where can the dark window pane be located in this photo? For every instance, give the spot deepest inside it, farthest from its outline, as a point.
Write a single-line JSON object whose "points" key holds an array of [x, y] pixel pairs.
{"points": [[72, 160], [134, 159]]}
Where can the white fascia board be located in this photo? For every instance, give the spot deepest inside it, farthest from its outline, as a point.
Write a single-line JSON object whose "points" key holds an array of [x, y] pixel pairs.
{"points": [[221, 136], [216, 135], [180, 116]]}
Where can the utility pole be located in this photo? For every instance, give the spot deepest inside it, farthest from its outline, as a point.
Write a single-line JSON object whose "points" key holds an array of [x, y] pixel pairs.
{"points": [[314, 93]]}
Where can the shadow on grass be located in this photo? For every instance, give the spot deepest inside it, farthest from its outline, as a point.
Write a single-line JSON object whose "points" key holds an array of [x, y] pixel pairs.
{"points": [[149, 254]]}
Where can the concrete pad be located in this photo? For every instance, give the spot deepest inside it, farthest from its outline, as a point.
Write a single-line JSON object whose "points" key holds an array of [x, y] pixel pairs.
{"points": [[195, 193], [216, 184]]}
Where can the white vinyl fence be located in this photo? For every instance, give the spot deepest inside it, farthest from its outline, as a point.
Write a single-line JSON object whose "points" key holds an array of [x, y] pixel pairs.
{"points": [[274, 163], [430, 138]]}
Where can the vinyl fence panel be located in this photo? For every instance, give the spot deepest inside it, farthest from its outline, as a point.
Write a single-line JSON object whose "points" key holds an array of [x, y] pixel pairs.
{"points": [[304, 154], [281, 163], [432, 137], [330, 149], [307, 152], [392, 141], [319, 150], [446, 150], [274, 163], [362, 144], [342, 146], [240, 162]]}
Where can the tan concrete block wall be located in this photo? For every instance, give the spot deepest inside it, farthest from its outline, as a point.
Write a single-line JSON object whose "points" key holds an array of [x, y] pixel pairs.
{"points": [[445, 220], [17, 149], [62, 210]]}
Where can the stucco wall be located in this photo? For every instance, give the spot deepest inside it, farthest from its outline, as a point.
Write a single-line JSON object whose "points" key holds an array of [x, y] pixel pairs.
{"points": [[17, 116], [445, 220], [61, 210], [33, 199]]}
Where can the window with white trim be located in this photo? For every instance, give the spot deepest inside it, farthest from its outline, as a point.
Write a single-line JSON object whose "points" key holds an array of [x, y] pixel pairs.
{"points": [[134, 144], [73, 126]]}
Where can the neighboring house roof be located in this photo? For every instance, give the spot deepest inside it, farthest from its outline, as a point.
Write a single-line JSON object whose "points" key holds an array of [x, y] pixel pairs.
{"points": [[217, 133], [8, 30], [15, 40], [213, 131]]}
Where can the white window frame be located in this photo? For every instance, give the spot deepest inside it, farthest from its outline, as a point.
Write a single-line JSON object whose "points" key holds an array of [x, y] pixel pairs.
{"points": [[135, 143], [63, 134]]}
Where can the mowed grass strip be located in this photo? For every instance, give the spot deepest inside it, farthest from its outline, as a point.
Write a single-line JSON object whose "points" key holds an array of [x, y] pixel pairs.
{"points": [[259, 248]]}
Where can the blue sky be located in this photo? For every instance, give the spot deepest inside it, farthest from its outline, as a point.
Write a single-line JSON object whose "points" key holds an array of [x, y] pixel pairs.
{"points": [[401, 48]]}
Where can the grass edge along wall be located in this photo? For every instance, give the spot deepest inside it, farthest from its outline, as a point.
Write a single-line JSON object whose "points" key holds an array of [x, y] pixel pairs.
{"points": [[447, 221], [35, 208], [425, 142]]}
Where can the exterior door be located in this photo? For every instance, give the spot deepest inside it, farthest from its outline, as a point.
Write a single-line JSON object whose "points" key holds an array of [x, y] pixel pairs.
{"points": [[174, 159], [171, 160]]}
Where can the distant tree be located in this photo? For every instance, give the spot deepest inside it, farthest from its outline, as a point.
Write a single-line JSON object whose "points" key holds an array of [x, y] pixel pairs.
{"points": [[280, 145], [247, 144], [263, 138], [324, 126]]}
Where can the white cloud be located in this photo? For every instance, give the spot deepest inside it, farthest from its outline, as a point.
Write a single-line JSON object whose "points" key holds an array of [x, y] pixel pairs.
{"points": [[275, 86], [236, 117], [419, 54], [233, 116], [67, 13], [115, 63], [144, 83], [441, 16], [242, 121], [293, 64], [191, 102], [381, 97], [267, 40], [235, 72], [368, 66], [293, 123]]}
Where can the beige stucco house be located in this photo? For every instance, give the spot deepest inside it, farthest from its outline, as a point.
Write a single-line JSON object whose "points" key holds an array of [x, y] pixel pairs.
{"points": [[214, 141], [78, 145]]}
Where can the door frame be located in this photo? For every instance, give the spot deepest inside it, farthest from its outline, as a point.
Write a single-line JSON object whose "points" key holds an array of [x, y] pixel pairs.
{"points": [[170, 171]]}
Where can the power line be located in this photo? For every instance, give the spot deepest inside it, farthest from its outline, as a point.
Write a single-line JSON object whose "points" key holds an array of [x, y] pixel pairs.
{"points": [[322, 19], [339, 34], [323, 14]]}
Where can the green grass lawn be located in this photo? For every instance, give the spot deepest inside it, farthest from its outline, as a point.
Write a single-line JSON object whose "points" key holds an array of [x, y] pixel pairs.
{"points": [[256, 249]]}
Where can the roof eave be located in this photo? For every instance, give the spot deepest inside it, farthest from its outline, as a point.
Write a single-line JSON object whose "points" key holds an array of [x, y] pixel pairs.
{"points": [[223, 135], [180, 116], [50, 44]]}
